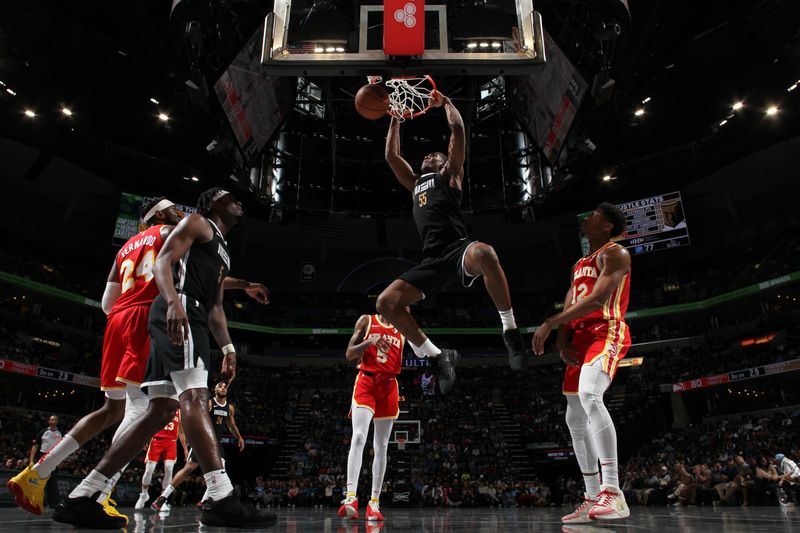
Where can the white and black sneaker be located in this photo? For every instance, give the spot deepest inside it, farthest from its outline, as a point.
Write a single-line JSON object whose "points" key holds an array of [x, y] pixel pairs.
{"points": [[231, 512]]}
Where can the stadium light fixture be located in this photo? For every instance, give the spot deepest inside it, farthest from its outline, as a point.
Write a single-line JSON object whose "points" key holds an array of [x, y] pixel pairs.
{"points": [[639, 112], [609, 177], [772, 110], [66, 111], [723, 122], [30, 113], [153, 100], [646, 100], [792, 87], [10, 91], [163, 117], [195, 179], [737, 105]]}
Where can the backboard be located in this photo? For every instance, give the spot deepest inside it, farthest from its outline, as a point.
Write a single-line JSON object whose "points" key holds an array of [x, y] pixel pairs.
{"points": [[332, 38]]}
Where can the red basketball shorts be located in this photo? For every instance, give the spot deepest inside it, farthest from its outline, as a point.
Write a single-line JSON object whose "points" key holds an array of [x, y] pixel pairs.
{"points": [[607, 340], [378, 393], [126, 347], [162, 449]]}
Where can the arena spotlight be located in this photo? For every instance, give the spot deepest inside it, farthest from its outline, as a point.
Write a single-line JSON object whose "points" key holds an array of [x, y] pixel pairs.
{"points": [[66, 111], [163, 117], [772, 110], [646, 100], [737, 105], [195, 179], [153, 100], [723, 122], [609, 177], [30, 113], [639, 112], [318, 49], [792, 87], [10, 91]]}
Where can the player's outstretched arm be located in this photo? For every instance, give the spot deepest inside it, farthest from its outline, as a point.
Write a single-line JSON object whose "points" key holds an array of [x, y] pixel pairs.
{"points": [[456, 151], [218, 325], [616, 263], [400, 167], [256, 291], [235, 429], [191, 228], [358, 344]]}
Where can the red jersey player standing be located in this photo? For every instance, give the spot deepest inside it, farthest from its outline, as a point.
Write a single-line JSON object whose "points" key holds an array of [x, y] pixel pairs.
{"points": [[592, 338], [129, 292], [163, 445], [379, 346]]}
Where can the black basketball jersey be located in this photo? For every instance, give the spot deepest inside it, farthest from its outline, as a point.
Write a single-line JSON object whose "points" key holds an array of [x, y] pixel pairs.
{"points": [[201, 270], [219, 416], [437, 213]]}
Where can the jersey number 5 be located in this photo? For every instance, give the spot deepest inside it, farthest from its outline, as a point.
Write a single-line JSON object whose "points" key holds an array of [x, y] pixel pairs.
{"points": [[144, 269]]}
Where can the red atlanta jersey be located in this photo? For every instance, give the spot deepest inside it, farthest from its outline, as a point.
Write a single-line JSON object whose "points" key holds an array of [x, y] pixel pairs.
{"points": [[584, 276], [170, 431], [379, 362], [135, 262]]}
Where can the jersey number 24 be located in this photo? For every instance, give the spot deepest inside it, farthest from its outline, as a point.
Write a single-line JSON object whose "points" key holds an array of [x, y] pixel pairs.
{"points": [[130, 271]]}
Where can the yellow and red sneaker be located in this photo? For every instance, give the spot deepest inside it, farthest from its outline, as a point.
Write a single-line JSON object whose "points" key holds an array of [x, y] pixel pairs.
{"points": [[349, 508]]}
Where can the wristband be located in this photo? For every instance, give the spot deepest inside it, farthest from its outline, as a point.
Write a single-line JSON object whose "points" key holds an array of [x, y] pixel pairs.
{"points": [[228, 348]]}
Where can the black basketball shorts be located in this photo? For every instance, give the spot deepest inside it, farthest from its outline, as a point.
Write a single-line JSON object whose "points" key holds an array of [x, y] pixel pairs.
{"points": [[179, 366], [436, 273]]}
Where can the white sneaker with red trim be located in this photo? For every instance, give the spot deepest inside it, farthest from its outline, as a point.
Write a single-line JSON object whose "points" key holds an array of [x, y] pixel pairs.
{"points": [[581, 514], [611, 505]]}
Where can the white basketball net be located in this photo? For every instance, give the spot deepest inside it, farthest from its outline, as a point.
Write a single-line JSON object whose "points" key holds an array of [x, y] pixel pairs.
{"points": [[409, 97]]}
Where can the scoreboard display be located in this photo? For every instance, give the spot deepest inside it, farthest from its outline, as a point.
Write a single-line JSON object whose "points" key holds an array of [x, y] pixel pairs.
{"points": [[652, 224]]}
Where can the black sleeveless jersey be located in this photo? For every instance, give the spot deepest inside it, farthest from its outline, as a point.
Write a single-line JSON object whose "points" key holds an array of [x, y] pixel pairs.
{"points": [[219, 416], [437, 213], [201, 270]]}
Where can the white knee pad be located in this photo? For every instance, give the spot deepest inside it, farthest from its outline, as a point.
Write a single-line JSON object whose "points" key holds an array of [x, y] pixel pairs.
{"points": [[149, 468], [576, 416]]}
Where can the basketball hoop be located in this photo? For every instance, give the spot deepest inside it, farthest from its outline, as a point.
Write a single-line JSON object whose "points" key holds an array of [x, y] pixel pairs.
{"points": [[409, 96], [401, 443]]}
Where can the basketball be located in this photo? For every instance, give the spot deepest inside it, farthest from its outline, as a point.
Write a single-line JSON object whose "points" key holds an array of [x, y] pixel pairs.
{"points": [[372, 101]]}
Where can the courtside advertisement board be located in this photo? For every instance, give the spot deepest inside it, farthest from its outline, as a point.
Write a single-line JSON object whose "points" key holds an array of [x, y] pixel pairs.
{"points": [[652, 224]]}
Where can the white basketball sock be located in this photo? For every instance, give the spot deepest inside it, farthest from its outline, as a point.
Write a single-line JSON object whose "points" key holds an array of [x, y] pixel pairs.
{"points": [[507, 318], [93, 483], [426, 349], [63, 449], [218, 484], [168, 491], [169, 466], [361, 417]]}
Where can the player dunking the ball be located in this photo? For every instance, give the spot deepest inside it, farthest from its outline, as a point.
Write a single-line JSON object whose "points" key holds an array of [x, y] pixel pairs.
{"points": [[592, 338], [162, 445], [379, 346], [450, 256]]}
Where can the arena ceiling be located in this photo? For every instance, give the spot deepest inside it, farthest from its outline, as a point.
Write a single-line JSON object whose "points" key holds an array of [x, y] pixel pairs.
{"points": [[117, 65]]}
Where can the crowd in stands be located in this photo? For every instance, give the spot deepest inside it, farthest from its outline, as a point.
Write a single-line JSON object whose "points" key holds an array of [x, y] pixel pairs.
{"points": [[734, 461]]}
